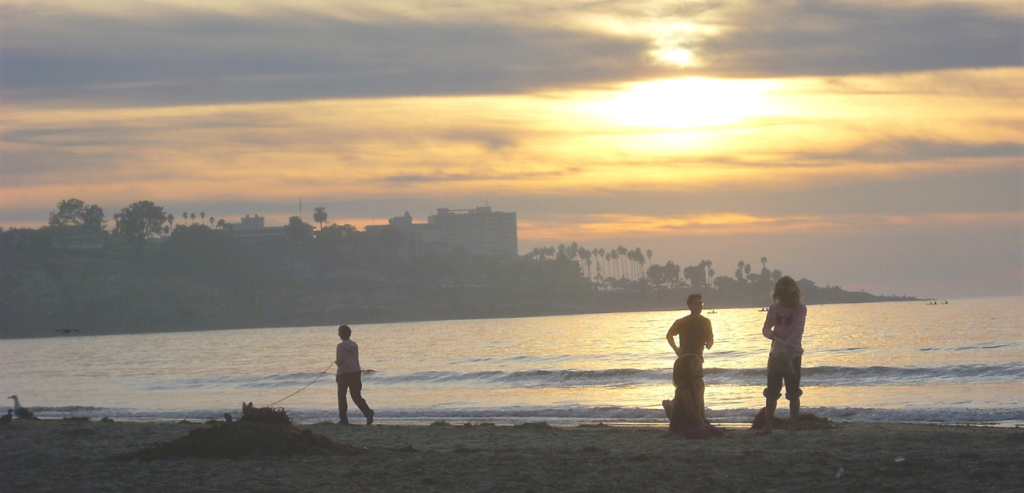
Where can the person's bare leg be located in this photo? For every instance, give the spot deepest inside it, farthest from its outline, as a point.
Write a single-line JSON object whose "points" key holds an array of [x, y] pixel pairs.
{"points": [[794, 413], [769, 416]]}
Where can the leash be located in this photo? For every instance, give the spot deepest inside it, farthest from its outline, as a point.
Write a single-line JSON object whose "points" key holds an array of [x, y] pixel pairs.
{"points": [[307, 385]]}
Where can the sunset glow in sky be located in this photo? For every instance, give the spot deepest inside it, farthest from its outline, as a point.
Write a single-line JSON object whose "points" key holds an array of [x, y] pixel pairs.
{"points": [[874, 145]]}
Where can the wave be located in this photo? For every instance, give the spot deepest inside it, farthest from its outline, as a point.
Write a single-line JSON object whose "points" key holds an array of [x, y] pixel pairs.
{"points": [[620, 377], [561, 414], [285, 380], [821, 375]]}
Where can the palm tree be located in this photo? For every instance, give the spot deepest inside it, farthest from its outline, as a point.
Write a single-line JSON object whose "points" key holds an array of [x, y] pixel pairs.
{"points": [[192, 218], [202, 217], [184, 215], [211, 221], [584, 255], [320, 216], [621, 250]]}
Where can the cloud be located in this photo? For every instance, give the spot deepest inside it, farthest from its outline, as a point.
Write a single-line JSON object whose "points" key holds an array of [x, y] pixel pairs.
{"points": [[828, 37], [553, 227], [162, 54], [916, 150], [181, 56]]}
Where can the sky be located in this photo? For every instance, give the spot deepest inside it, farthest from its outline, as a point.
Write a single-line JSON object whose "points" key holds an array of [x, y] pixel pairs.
{"points": [[867, 144]]}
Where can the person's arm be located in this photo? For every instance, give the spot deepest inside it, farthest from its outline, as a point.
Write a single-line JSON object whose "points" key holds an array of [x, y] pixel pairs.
{"points": [[670, 336], [769, 322], [339, 356], [711, 337]]}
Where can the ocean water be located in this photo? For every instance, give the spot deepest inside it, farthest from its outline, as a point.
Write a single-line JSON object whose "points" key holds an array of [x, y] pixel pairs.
{"points": [[962, 362]]}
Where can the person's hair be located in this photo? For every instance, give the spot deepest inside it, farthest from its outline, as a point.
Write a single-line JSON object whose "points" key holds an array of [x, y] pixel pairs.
{"points": [[686, 369], [692, 297], [345, 332], [786, 292]]}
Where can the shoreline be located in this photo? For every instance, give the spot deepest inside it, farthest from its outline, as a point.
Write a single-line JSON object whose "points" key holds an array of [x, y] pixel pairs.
{"points": [[53, 455], [509, 423]]}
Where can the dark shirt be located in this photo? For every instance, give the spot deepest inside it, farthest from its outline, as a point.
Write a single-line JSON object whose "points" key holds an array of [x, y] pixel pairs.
{"points": [[694, 332]]}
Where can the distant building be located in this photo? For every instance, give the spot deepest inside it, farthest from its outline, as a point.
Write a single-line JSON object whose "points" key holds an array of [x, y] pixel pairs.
{"points": [[417, 239], [253, 229], [248, 223], [477, 231]]}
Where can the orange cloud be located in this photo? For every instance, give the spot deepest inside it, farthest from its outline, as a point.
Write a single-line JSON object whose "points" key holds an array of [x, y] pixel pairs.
{"points": [[560, 228]]}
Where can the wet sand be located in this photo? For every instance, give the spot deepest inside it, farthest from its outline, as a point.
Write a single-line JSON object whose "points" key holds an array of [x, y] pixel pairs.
{"points": [[42, 456]]}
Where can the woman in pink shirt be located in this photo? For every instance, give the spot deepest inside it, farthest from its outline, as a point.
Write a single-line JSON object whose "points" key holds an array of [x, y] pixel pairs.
{"points": [[784, 325]]}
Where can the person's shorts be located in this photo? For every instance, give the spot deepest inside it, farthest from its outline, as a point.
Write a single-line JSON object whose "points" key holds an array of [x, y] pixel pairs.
{"points": [[775, 381]]}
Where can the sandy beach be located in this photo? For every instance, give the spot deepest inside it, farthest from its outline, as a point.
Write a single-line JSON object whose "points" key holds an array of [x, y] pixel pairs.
{"points": [[41, 456]]}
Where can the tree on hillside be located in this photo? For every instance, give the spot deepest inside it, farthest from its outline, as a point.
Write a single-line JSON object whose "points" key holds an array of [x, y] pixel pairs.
{"points": [[320, 216], [74, 212], [667, 275], [139, 221], [695, 275]]}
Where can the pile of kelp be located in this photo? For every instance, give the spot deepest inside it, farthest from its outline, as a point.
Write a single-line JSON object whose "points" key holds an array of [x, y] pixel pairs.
{"points": [[260, 432], [806, 421]]}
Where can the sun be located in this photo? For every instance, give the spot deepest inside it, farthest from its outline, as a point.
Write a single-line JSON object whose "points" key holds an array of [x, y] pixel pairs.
{"points": [[686, 103]]}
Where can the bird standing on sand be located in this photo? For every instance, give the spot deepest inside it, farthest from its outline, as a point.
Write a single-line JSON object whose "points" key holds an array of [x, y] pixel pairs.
{"points": [[7, 417], [21, 412]]}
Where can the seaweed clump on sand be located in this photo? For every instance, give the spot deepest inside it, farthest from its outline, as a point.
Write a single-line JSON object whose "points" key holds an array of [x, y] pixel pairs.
{"points": [[806, 421], [260, 432], [536, 426]]}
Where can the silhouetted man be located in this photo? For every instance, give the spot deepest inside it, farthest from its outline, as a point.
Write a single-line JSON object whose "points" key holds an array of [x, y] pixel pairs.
{"points": [[694, 331]]}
